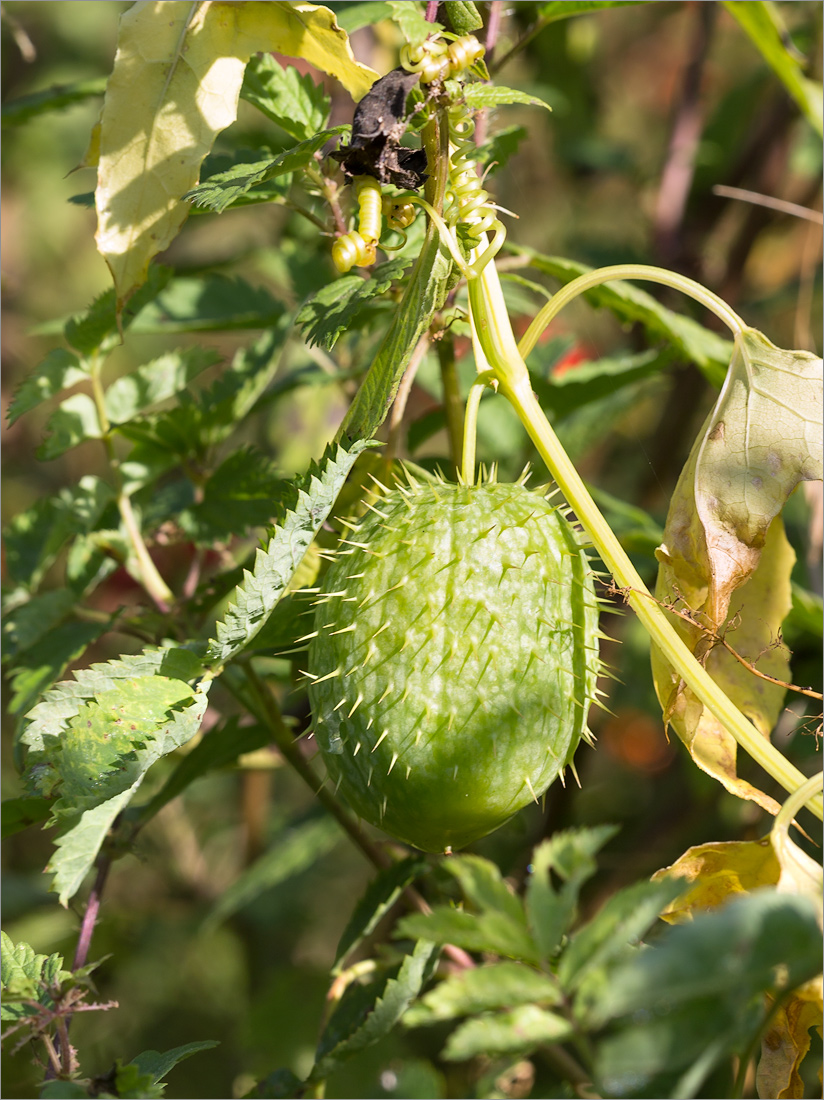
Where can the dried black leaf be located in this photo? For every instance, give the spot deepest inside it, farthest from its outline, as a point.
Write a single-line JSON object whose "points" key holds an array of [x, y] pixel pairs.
{"points": [[380, 121]]}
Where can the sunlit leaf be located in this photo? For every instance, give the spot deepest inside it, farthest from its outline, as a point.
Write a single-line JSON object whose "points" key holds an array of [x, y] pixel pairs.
{"points": [[464, 16], [156, 381], [175, 85], [289, 98], [478, 96], [74, 421], [410, 19], [786, 1043], [58, 371], [256, 597]]}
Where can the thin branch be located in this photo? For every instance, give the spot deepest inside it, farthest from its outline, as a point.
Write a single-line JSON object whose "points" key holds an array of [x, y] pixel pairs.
{"points": [[757, 199]]}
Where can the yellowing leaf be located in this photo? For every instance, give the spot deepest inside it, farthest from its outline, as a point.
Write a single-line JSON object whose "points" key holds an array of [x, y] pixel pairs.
{"points": [[762, 438], [175, 85], [786, 1042], [717, 872]]}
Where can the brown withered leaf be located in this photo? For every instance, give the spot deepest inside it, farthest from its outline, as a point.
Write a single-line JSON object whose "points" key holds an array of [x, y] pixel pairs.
{"points": [[761, 439], [725, 559], [752, 628]]}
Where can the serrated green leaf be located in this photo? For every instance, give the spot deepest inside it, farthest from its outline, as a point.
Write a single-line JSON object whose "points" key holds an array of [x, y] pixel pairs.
{"points": [[199, 422], [47, 721], [515, 1032], [221, 189], [155, 381], [480, 95], [291, 854], [58, 371], [697, 996], [43, 663], [710, 352], [425, 294], [333, 309], [74, 421], [291, 100], [99, 750], [23, 976], [410, 19], [492, 932], [345, 1034], [379, 898], [157, 1065], [275, 566], [617, 927], [34, 537], [483, 886], [464, 16], [77, 848], [57, 98], [208, 304], [770, 930], [501, 147], [498, 985], [240, 495], [97, 327], [26, 624], [218, 748], [20, 813], [570, 855], [762, 23]]}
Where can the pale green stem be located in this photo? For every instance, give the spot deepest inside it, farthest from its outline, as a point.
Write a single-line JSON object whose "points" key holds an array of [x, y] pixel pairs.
{"points": [[627, 271], [797, 799], [149, 575], [476, 392], [491, 321]]}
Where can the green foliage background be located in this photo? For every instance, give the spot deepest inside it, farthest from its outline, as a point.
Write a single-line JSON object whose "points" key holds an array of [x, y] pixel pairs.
{"points": [[198, 950]]}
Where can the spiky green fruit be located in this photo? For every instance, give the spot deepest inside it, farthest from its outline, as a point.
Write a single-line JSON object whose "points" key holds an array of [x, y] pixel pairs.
{"points": [[455, 659]]}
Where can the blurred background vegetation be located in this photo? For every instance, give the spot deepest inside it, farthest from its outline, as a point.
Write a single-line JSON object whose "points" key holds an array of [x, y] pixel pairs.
{"points": [[653, 105]]}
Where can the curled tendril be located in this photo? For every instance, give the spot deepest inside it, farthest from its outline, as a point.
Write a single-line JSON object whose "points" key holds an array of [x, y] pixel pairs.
{"points": [[351, 250], [398, 211], [437, 59]]}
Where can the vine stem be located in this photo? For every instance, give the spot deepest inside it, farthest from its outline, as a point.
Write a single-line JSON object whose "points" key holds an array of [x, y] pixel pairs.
{"points": [[491, 321], [645, 272], [148, 572]]}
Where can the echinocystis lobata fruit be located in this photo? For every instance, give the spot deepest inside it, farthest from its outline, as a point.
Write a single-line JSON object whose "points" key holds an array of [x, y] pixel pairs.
{"points": [[455, 659]]}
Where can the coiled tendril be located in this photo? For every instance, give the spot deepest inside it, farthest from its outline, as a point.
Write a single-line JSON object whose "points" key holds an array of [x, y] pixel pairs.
{"points": [[437, 59], [468, 203], [358, 247]]}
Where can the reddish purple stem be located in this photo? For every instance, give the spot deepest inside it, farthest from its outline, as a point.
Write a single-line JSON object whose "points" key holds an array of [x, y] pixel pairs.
{"points": [[431, 11], [84, 941]]}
